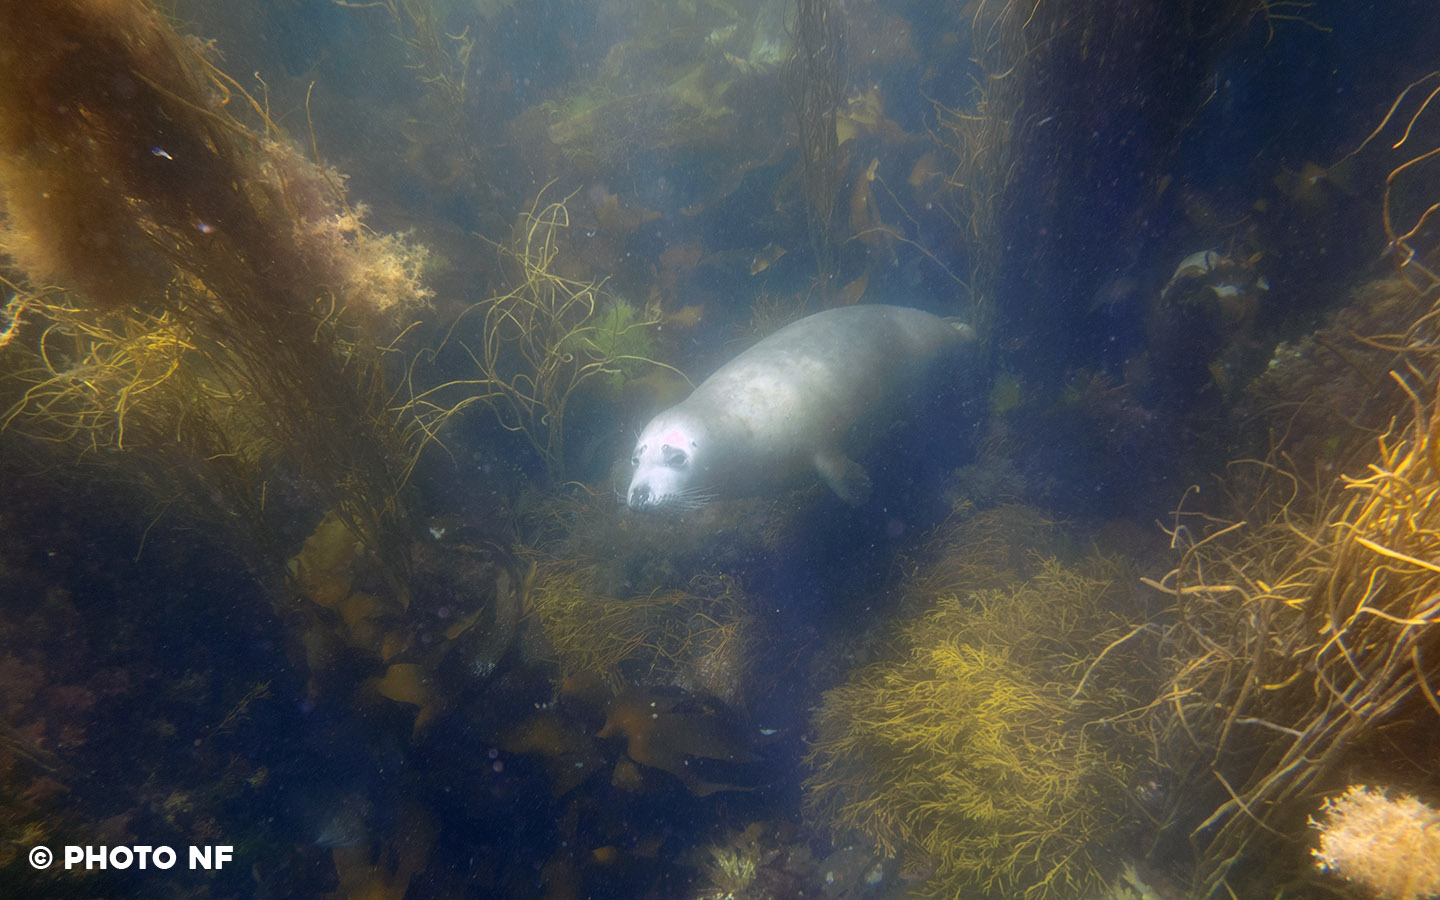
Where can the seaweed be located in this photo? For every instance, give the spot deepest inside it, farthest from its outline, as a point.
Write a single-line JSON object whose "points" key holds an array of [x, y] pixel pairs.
{"points": [[991, 745]]}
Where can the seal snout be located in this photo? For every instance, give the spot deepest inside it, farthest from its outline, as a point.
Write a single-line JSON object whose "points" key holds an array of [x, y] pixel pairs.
{"points": [[641, 497]]}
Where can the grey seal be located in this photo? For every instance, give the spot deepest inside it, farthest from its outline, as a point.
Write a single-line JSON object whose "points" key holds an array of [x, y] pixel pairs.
{"points": [[797, 401]]}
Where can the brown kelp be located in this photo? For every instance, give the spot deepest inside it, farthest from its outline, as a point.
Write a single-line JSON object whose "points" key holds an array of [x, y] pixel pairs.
{"points": [[192, 290], [694, 637], [815, 82], [540, 343], [990, 748], [1039, 116], [1304, 644]]}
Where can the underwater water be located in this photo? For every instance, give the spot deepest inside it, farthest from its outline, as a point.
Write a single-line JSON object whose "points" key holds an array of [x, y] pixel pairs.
{"points": [[337, 337]]}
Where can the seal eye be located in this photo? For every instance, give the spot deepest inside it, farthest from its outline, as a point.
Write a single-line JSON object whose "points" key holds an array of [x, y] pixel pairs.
{"points": [[674, 457]]}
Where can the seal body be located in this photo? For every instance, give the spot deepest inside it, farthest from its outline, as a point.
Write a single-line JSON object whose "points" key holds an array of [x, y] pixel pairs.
{"points": [[799, 400]]}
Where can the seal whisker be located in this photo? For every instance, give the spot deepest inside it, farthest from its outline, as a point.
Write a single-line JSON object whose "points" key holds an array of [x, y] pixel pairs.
{"points": [[692, 498]]}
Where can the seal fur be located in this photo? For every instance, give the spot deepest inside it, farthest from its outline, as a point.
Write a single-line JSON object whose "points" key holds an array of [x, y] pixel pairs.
{"points": [[796, 401]]}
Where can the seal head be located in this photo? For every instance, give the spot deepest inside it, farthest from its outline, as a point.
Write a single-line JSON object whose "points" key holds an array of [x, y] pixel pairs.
{"points": [[670, 462]]}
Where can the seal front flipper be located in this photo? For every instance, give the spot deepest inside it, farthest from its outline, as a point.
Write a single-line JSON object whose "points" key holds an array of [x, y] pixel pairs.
{"points": [[844, 475]]}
